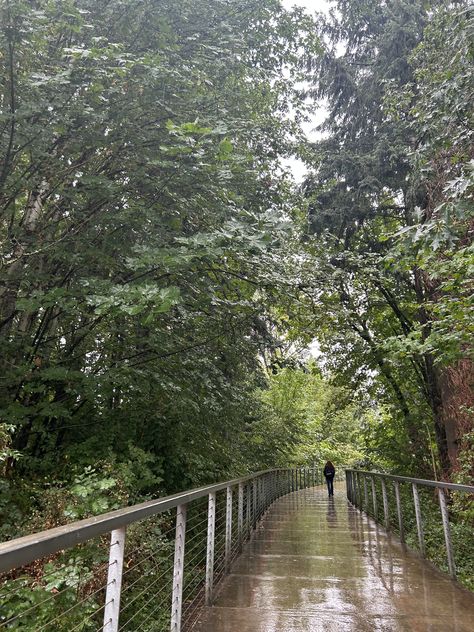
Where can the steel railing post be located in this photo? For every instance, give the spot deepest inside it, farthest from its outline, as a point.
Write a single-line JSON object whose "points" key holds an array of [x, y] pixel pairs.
{"points": [[396, 486], [447, 532], [419, 519], [386, 514], [348, 490], [366, 494], [359, 491], [228, 529], [114, 581], [211, 530], [374, 497], [254, 503], [178, 569], [248, 512], [240, 516]]}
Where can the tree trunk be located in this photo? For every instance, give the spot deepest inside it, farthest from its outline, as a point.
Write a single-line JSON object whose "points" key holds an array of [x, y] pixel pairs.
{"points": [[457, 393]]}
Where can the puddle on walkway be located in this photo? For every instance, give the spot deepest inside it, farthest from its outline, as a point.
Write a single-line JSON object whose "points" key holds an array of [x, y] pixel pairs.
{"points": [[317, 564]]}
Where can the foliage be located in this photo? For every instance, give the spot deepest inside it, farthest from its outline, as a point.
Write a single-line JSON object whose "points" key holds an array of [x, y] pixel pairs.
{"points": [[141, 184], [386, 270], [308, 420]]}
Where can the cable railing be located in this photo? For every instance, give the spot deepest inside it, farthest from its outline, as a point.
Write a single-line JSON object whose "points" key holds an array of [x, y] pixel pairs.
{"points": [[405, 505], [151, 566]]}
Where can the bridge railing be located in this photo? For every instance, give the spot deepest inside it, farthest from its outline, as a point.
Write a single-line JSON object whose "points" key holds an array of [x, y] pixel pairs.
{"points": [[396, 502], [146, 567]]}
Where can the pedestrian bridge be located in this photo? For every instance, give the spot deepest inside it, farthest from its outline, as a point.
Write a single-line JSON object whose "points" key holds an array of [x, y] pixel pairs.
{"points": [[317, 563], [269, 552]]}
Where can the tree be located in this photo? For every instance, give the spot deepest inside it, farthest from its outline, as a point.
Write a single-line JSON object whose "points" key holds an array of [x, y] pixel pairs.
{"points": [[361, 194], [140, 145]]}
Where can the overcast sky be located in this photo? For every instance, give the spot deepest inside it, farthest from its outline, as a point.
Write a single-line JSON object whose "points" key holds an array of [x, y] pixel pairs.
{"points": [[311, 5]]}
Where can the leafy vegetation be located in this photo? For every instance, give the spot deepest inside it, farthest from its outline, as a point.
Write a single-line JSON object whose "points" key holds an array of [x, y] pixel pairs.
{"points": [[162, 276]]}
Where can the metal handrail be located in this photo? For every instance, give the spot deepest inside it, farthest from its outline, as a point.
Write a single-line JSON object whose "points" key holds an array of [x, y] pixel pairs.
{"points": [[418, 481], [359, 497], [24, 550], [246, 500]]}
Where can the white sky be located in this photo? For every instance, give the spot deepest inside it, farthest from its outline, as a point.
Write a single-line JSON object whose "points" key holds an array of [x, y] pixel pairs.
{"points": [[311, 5], [297, 167]]}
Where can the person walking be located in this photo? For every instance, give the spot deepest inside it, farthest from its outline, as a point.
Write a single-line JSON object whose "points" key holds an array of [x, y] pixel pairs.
{"points": [[329, 472]]}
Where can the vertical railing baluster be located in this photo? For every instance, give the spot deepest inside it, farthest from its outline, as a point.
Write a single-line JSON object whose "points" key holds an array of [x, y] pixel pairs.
{"points": [[366, 494], [254, 499], [248, 512], [178, 569], [374, 497], [240, 516], [447, 532], [419, 519], [114, 581], [359, 491], [211, 531], [228, 529], [386, 514], [401, 528]]}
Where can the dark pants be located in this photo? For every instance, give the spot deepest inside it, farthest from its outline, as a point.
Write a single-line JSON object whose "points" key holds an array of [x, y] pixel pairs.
{"points": [[329, 480]]}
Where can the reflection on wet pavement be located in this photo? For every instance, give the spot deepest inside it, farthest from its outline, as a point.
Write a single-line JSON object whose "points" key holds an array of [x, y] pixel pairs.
{"points": [[318, 564]]}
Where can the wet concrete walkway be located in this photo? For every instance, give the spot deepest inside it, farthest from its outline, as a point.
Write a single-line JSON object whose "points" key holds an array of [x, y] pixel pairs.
{"points": [[318, 564]]}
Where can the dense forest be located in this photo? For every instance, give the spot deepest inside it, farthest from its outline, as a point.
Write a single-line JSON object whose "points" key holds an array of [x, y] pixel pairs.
{"points": [[174, 308]]}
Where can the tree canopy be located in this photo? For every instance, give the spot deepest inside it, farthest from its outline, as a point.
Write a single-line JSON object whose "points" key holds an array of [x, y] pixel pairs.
{"points": [[162, 275]]}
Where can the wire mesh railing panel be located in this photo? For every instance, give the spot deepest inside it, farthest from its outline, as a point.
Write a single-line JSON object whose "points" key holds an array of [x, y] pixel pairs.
{"points": [[65, 591], [147, 574], [219, 538], [461, 507], [195, 561]]}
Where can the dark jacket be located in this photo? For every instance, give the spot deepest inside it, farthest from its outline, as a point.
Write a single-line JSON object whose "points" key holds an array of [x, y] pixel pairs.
{"points": [[329, 471]]}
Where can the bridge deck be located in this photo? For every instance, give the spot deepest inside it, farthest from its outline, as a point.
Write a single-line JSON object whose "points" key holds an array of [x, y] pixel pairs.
{"points": [[317, 564]]}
